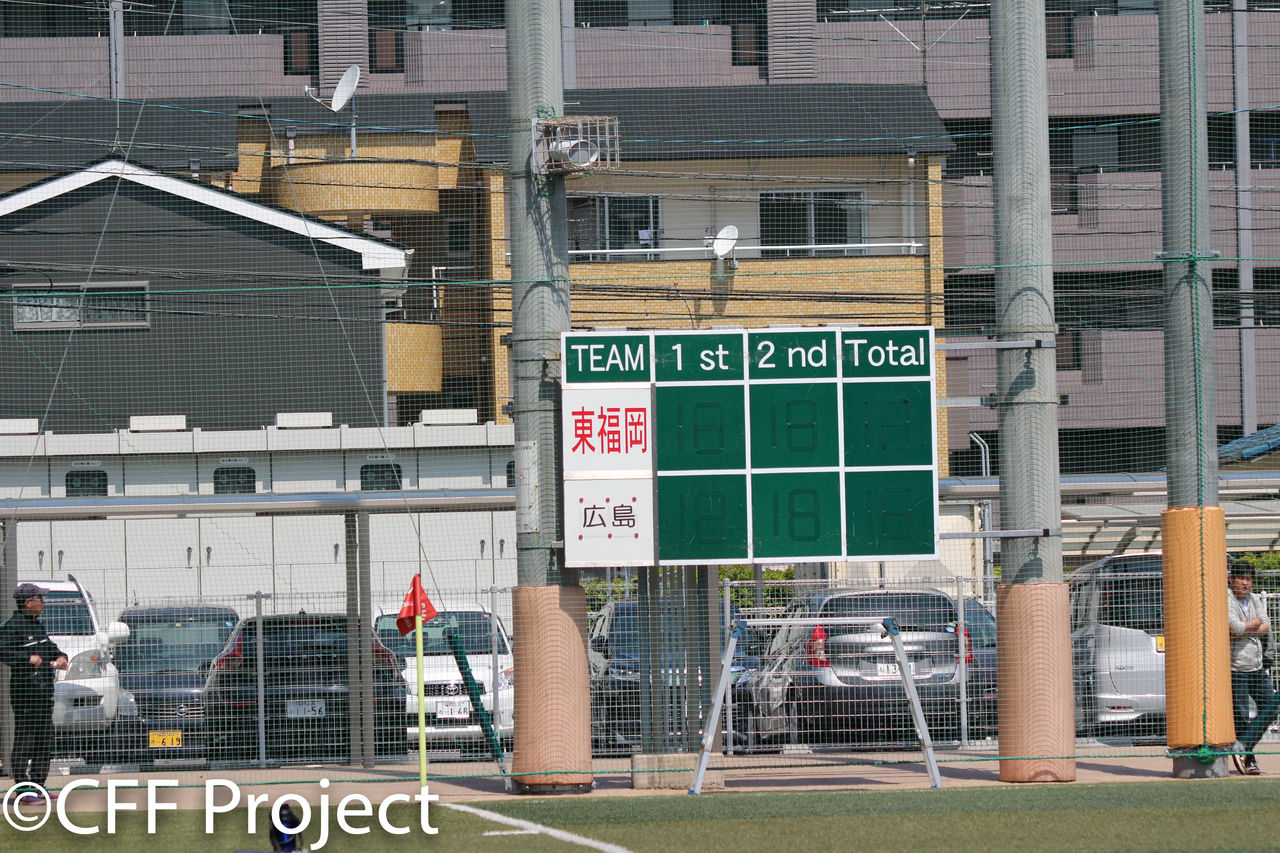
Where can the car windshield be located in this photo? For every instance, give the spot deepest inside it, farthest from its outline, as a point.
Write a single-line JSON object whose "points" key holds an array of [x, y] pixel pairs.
{"points": [[673, 626], [980, 624], [914, 611], [172, 645], [473, 626], [66, 612]]}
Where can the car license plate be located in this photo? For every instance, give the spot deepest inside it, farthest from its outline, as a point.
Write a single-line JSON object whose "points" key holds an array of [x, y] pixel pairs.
{"points": [[892, 669], [164, 739], [296, 709], [1160, 642], [453, 709]]}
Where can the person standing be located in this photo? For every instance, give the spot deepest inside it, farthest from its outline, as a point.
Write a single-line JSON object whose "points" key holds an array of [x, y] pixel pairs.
{"points": [[32, 659], [1247, 619]]}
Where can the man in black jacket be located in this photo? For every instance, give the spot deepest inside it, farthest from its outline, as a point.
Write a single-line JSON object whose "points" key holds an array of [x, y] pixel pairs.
{"points": [[32, 657]]}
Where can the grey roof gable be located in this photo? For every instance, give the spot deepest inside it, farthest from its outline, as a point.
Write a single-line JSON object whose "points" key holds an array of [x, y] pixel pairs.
{"points": [[792, 120], [374, 254]]}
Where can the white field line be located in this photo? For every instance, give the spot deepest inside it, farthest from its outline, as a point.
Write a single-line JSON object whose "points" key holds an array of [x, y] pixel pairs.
{"points": [[529, 826]]}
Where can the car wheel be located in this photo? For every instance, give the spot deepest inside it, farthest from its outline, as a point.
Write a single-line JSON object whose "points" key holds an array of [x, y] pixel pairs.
{"points": [[803, 725], [754, 740]]}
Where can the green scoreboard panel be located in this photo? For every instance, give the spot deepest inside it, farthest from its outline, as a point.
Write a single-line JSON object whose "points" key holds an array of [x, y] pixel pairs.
{"points": [[779, 445]]}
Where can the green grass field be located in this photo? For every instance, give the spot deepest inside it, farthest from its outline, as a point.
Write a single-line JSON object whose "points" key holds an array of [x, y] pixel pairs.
{"points": [[1223, 814]]}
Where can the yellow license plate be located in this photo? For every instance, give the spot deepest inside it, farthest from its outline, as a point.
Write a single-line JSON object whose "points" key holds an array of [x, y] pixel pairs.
{"points": [[161, 740], [1160, 643]]}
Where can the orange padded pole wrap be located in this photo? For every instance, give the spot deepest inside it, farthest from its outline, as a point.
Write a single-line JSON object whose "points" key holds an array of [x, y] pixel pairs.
{"points": [[1197, 664], [553, 694], [1037, 711]]}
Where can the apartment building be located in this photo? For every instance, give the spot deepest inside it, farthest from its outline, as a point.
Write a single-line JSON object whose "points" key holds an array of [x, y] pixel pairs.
{"points": [[1103, 105]]}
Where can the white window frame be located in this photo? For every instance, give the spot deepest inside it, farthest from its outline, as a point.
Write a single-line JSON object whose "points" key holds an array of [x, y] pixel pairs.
{"points": [[69, 314], [808, 249]]}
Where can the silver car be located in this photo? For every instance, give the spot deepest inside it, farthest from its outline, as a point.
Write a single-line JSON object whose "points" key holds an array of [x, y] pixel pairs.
{"points": [[1117, 636]]}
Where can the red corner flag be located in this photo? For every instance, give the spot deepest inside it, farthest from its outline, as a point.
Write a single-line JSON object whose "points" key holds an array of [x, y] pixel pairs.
{"points": [[415, 602]]}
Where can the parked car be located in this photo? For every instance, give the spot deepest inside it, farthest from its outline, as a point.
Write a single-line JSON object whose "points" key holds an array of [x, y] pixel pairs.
{"points": [[1117, 641], [306, 688], [90, 707], [831, 683], [616, 669], [450, 716], [164, 664]]}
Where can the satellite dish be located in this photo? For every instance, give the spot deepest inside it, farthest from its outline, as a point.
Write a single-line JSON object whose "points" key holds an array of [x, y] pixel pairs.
{"points": [[346, 88], [724, 242]]}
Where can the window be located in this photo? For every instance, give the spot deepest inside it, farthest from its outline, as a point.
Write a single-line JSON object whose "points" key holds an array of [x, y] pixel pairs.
{"points": [[66, 612], [457, 237], [812, 224], [387, 21], [386, 51], [380, 477], [1064, 191], [601, 224], [86, 484], [1067, 349], [115, 305], [479, 14], [1059, 30], [239, 480]]}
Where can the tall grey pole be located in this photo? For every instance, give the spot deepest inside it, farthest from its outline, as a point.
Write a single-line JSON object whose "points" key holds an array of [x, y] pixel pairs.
{"points": [[539, 288], [1190, 412], [260, 674], [1035, 660], [1193, 527], [1244, 215], [8, 582], [1026, 378], [569, 45], [552, 740], [115, 44]]}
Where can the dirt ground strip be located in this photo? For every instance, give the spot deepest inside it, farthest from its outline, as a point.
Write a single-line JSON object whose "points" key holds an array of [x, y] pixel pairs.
{"points": [[458, 781]]}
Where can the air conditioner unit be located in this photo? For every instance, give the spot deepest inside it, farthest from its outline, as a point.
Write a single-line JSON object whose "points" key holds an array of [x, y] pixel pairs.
{"points": [[575, 144]]}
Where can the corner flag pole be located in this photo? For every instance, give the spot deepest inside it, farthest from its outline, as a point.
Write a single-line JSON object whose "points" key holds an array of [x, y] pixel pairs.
{"points": [[422, 705]]}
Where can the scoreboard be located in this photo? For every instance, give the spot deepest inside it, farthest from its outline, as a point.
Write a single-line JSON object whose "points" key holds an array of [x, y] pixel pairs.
{"points": [[753, 445]]}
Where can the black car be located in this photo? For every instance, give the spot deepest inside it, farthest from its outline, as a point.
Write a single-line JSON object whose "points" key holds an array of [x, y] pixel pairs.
{"points": [[305, 689], [827, 682], [164, 663], [676, 690]]}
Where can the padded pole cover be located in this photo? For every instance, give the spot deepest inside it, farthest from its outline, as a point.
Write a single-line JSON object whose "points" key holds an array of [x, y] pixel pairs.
{"points": [[553, 693], [1037, 710], [1197, 664]]}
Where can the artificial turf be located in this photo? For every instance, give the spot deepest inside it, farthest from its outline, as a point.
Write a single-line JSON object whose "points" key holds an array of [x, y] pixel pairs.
{"points": [[1221, 814]]}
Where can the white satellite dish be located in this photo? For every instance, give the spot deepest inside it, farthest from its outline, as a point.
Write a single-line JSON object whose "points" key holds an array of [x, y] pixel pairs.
{"points": [[725, 240], [341, 97], [346, 88]]}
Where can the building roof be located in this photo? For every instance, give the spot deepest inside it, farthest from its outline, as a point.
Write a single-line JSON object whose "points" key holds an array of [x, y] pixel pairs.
{"points": [[685, 123], [1252, 446], [790, 120], [374, 253]]}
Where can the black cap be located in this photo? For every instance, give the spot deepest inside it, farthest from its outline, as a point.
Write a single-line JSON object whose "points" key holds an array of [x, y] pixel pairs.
{"points": [[27, 590]]}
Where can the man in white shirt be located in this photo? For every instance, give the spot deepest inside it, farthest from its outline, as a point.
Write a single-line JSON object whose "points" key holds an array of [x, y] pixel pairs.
{"points": [[1247, 618]]}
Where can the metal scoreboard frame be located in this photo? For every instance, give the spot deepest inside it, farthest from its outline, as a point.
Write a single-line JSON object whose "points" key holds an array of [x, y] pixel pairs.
{"points": [[769, 445]]}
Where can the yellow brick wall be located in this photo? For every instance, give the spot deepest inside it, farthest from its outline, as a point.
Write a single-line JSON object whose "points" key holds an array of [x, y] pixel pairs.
{"points": [[413, 357]]}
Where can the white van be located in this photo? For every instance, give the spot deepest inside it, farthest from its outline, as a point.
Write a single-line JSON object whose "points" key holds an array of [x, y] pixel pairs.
{"points": [[1117, 637], [88, 702], [1118, 643]]}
